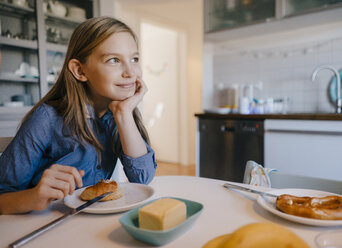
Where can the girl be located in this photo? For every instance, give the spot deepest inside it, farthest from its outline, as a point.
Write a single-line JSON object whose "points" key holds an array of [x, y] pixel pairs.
{"points": [[74, 135]]}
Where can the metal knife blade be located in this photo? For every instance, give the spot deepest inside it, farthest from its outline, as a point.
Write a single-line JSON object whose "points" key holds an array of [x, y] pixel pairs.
{"points": [[53, 223], [228, 185]]}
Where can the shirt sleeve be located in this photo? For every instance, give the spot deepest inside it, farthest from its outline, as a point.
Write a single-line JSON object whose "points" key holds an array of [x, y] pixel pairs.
{"points": [[21, 159], [141, 169]]}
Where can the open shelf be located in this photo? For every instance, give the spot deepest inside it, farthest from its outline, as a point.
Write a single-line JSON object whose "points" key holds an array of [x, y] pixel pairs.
{"points": [[15, 78], [16, 10], [29, 44], [31, 33]]}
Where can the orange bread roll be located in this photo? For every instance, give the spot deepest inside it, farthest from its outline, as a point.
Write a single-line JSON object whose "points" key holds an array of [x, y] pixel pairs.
{"points": [[103, 186]]}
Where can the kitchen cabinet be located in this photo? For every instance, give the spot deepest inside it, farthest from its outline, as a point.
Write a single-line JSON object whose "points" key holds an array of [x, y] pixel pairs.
{"points": [[300, 144], [33, 42], [227, 14], [295, 7], [304, 147]]}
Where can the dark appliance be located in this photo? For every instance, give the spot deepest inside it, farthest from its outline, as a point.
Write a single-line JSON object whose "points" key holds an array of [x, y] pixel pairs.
{"points": [[226, 145]]}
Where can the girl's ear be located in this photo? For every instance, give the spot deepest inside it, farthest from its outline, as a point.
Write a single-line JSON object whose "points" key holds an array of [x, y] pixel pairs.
{"points": [[75, 67]]}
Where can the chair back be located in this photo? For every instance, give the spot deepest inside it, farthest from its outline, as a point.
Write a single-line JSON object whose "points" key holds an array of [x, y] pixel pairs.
{"points": [[281, 180], [4, 142]]}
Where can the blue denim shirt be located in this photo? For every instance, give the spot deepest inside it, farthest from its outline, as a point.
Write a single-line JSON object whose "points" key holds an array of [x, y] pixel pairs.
{"points": [[40, 143]]}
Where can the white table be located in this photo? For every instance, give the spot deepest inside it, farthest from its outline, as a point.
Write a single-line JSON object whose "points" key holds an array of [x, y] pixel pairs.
{"points": [[224, 211]]}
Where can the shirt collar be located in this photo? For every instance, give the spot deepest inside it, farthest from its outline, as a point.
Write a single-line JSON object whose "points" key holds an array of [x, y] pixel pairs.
{"points": [[107, 116], [90, 113]]}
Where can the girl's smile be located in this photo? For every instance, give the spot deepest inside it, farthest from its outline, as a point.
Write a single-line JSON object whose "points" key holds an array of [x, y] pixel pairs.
{"points": [[126, 85]]}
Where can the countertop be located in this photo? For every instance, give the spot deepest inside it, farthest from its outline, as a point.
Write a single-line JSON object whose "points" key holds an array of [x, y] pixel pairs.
{"points": [[290, 116], [224, 211]]}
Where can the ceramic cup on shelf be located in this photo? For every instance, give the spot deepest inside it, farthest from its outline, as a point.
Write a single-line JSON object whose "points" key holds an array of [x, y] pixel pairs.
{"points": [[57, 8], [24, 70]]}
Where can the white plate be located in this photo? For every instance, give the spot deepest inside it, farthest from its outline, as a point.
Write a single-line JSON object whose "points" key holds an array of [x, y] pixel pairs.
{"points": [[134, 194], [268, 203]]}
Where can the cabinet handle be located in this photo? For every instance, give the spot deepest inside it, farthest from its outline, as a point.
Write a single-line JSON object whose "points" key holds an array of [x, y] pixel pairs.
{"points": [[304, 132], [227, 129]]}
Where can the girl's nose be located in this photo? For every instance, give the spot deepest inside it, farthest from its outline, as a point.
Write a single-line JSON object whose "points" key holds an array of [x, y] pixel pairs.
{"points": [[128, 72]]}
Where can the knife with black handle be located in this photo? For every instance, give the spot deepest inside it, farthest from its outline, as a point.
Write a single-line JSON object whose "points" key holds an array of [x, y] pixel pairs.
{"points": [[55, 222]]}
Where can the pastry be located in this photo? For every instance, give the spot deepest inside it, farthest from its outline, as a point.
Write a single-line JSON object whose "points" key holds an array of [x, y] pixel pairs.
{"points": [[103, 186], [324, 208], [258, 235]]}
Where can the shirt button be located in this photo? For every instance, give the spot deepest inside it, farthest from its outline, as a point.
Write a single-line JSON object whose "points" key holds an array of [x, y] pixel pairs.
{"points": [[98, 166]]}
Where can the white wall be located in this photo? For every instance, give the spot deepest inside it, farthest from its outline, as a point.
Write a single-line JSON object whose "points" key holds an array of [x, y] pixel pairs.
{"points": [[283, 60], [159, 50]]}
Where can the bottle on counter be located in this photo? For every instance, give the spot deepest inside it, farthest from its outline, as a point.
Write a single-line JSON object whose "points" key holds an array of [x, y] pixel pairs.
{"points": [[233, 98], [244, 107]]}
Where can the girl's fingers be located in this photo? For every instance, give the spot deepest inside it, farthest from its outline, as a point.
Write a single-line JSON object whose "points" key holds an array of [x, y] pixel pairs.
{"points": [[71, 171], [132, 102], [67, 178], [62, 186], [82, 173], [138, 95], [46, 191], [49, 183], [56, 183], [55, 194], [62, 178], [74, 172], [142, 88]]}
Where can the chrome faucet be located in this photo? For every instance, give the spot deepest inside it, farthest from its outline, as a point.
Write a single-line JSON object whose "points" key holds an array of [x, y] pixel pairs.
{"points": [[338, 84]]}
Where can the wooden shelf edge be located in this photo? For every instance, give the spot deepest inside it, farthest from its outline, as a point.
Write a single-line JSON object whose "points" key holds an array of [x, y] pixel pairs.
{"points": [[4, 78], [29, 44], [13, 7]]}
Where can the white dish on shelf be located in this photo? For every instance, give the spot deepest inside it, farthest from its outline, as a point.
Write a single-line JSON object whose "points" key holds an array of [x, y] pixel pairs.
{"points": [[14, 104], [268, 203], [21, 3], [222, 111]]}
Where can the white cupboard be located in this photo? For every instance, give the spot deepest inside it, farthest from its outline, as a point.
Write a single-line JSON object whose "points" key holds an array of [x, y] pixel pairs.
{"points": [[304, 147]]}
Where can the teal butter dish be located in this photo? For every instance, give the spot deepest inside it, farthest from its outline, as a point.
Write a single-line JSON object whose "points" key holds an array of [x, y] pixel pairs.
{"points": [[130, 222]]}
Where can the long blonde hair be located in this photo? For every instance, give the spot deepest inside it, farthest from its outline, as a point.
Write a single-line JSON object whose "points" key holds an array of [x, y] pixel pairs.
{"points": [[70, 96]]}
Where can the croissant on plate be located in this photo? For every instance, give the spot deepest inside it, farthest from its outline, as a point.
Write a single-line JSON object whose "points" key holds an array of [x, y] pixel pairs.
{"points": [[103, 186]]}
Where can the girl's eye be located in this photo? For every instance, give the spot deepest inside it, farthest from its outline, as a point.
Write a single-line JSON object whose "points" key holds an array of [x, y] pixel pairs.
{"points": [[135, 60], [113, 60]]}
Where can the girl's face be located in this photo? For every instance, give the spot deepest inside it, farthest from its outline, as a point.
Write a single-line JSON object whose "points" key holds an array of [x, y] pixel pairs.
{"points": [[112, 69]]}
